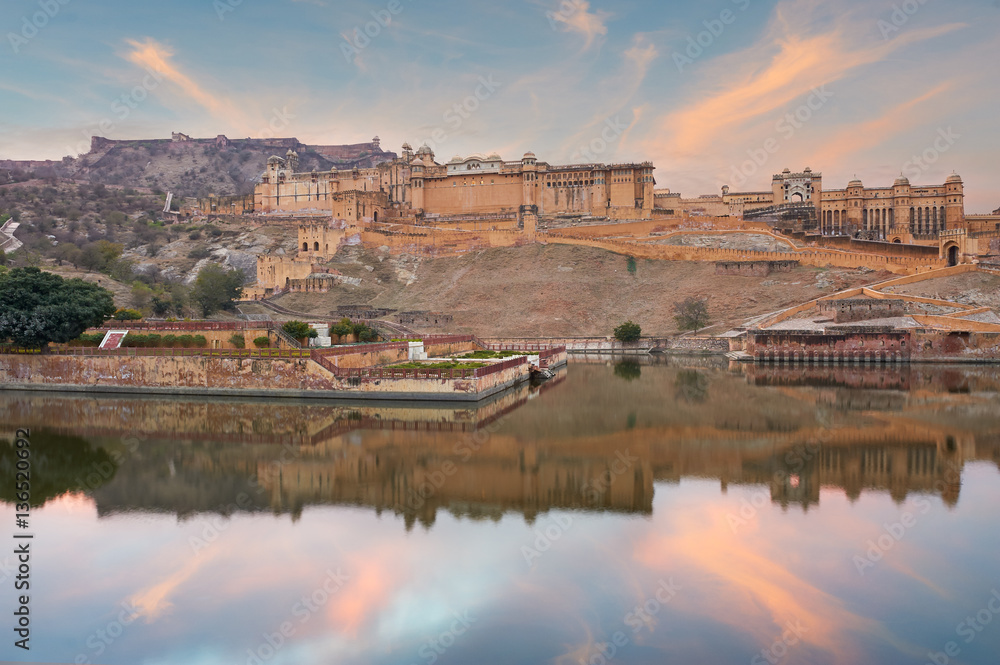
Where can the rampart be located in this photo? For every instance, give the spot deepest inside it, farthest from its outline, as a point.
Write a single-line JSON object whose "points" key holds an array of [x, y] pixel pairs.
{"points": [[861, 309], [754, 268]]}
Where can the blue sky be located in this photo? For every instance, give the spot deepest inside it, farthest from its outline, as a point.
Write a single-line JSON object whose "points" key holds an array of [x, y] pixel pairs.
{"points": [[718, 92]]}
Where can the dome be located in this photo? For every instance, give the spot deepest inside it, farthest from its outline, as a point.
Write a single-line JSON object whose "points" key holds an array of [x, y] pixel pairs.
{"points": [[901, 181], [417, 162], [954, 177], [787, 170], [529, 155], [407, 147], [424, 150], [493, 157], [855, 183], [274, 159], [807, 170]]}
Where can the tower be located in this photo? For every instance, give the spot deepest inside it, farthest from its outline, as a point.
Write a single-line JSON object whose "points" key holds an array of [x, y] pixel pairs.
{"points": [[955, 205]]}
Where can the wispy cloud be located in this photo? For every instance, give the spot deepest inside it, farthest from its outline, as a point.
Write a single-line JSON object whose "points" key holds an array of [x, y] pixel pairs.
{"points": [[780, 68], [157, 57], [575, 16]]}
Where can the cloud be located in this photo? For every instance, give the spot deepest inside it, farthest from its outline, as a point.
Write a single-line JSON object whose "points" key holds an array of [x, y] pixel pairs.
{"points": [[784, 65], [876, 131], [157, 57], [575, 16]]}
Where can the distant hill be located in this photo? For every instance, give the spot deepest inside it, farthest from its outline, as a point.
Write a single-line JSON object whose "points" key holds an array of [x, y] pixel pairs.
{"points": [[194, 167]]}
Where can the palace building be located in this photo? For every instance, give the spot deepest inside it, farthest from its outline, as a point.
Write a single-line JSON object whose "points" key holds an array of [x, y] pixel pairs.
{"points": [[415, 185], [900, 212]]}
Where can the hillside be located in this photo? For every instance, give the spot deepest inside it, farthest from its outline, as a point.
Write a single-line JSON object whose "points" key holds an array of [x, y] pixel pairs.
{"points": [[191, 168], [559, 290]]}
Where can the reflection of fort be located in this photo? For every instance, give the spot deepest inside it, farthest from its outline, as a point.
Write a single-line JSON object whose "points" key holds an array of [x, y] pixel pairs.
{"points": [[528, 456]]}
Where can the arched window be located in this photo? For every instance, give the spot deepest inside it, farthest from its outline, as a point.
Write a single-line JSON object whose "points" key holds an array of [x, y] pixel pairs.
{"points": [[305, 247], [913, 221], [316, 247]]}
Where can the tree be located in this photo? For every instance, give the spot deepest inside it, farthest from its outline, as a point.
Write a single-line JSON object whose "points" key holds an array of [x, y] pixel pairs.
{"points": [[692, 314], [38, 308], [299, 330], [628, 332], [217, 288]]}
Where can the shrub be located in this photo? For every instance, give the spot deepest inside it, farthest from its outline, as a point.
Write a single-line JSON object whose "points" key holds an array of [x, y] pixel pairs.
{"points": [[170, 341], [186, 340], [344, 328], [628, 332], [199, 253], [199, 341], [127, 315], [299, 330], [262, 342], [238, 341]]}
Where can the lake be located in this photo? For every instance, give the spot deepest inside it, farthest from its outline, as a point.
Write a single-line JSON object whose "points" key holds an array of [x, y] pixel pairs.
{"points": [[654, 511]]}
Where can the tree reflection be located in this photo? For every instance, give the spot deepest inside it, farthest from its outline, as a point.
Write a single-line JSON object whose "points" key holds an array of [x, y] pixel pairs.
{"points": [[59, 464], [691, 386]]}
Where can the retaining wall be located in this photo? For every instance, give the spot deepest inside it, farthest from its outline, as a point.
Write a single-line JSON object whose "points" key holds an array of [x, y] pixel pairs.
{"points": [[206, 375]]}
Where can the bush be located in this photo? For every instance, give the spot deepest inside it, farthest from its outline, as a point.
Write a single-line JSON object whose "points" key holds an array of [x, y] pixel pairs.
{"points": [[127, 315], [628, 332], [169, 341], [88, 340], [199, 341], [238, 341], [344, 328], [199, 253], [262, 342], [299, 330], [133, 341]]}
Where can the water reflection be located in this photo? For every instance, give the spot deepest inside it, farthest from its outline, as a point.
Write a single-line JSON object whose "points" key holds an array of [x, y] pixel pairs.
{"points": [[550, 519], [511, 455]]}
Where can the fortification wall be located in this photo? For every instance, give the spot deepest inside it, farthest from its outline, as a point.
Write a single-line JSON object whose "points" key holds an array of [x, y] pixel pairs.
{"points": [[901, 265], [297, 377]]}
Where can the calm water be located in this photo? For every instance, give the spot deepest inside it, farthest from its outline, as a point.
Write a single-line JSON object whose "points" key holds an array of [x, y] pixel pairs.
{"points": [[682, 512]]}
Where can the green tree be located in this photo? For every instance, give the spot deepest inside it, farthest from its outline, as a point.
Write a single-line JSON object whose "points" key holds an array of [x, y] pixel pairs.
{"points": [[631, 265], [628, 332], [262, 342], [299, 330], [238, 341], [692, 314], [38, 308], [3, 258], [217, 288]]}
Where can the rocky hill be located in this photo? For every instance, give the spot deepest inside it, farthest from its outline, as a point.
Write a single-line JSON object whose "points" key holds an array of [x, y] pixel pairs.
{"points": [[192, 167]]}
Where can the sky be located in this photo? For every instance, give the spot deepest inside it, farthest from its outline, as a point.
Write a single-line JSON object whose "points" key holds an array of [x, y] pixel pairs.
{"points": [[719, 92]]}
